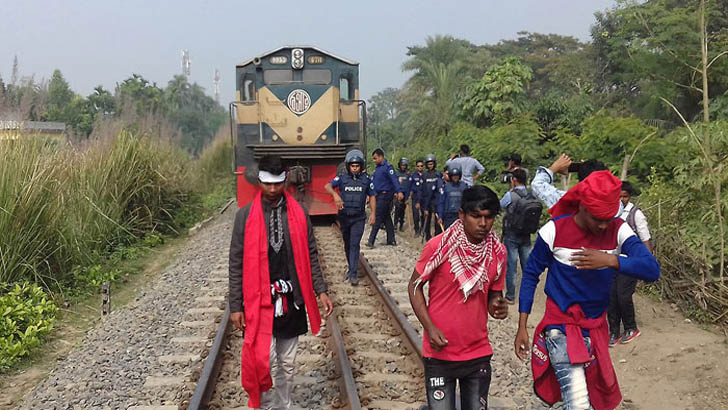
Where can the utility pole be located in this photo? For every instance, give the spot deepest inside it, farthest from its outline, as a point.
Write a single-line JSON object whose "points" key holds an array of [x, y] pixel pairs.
{"points": [[186, 63], [216, 85]]}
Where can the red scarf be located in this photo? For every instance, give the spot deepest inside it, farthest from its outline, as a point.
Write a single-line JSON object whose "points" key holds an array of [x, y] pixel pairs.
{"points": [[601, 380], [599, 193], [258, 307], [469, 261]]}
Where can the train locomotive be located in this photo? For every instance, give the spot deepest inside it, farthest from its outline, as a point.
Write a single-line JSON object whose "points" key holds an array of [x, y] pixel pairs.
{"points": [[302, 104]]}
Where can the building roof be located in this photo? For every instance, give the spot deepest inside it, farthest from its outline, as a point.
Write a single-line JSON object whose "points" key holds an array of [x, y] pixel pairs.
{"points": [[320, 50]]}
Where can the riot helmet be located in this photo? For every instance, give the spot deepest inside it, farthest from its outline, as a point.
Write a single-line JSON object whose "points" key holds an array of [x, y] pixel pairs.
{"points": [[430, 158], [403, 161], [453, 171], [354, 157]]}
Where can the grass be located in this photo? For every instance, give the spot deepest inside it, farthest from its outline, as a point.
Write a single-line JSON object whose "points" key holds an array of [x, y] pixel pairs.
{"points": [[75, 217]]}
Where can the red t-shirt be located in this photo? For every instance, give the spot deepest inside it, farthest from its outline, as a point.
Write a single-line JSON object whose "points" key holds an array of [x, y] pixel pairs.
{"points": [[464, 323]]}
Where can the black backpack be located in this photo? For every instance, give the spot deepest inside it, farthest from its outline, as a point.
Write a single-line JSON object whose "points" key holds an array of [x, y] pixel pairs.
{"points": [[523, 216]]}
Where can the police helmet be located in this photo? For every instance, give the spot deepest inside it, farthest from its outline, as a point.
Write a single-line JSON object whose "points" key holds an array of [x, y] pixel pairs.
{"points": [[430, 158], [354, 157], [454, 171], [403, 161]]}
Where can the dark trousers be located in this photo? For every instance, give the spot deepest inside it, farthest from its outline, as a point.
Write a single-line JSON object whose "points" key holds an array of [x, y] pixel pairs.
{"points": [[399, 209], [417, 217], [352, 229], [472, 375], [621, 306], [383, 216], [426, 225]]}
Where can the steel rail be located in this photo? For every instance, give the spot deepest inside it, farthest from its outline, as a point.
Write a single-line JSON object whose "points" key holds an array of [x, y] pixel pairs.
{"points": [[208, 377], [347, 384], [413, 339]]}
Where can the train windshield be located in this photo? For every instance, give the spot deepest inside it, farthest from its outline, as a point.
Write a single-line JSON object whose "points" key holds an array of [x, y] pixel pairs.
{"points": [[278, 76], [317, 76]]}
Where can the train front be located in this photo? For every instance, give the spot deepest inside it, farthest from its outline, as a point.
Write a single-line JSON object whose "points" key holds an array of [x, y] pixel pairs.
{"points": [[302, 104]]}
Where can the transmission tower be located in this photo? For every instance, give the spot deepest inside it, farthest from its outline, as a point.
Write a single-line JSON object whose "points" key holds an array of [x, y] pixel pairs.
{"points": [[186, 63], [216, 85]]}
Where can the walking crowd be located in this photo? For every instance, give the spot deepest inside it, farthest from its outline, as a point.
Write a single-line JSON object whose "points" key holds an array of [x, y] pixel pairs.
{"points": [[595, 245]]}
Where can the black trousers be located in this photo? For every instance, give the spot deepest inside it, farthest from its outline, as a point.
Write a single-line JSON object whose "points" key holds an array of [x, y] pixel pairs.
{"points": [[472, 375], [621, 306], [428, 220], [352, 229], [399, 210], [383, 216], [417, 217]]}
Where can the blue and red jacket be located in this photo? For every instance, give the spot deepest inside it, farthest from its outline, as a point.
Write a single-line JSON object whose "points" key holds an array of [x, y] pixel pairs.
{"points": [[566, 285]]}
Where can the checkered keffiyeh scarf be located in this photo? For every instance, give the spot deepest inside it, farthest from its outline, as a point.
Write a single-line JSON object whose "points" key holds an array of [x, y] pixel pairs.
{"points": [[469, 261]]}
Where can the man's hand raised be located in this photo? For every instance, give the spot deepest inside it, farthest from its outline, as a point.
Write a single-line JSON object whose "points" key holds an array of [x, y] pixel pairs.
{"points": [[561, 165]]}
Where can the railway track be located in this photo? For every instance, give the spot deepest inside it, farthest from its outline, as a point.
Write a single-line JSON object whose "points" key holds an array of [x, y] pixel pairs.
{"points": [[366, 356]]}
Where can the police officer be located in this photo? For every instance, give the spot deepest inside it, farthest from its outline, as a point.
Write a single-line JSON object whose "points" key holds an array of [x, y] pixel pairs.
{"points": [[451, 195], [414, 188], [430, 193], [355, 187], [386, 185], [400, 206]]}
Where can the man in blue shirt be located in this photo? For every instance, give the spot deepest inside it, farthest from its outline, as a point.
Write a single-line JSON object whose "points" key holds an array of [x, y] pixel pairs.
{"points": [[430, 194], [470, 166], [401, 206], [355, 187], [414, 187], [386, 184]]}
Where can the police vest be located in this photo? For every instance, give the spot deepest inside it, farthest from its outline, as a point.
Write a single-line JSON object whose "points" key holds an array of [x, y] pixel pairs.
{"points": [[354, 193], [403, 176], [453, 197]]}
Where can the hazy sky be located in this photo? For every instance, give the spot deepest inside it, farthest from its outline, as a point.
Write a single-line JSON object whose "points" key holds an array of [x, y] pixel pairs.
{"points": [[104, 42]]}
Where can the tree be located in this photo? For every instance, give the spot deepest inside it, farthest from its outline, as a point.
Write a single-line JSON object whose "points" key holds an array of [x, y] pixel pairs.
{"points": [[60, 97], [497, 96], [140, 94], [665, 48]]}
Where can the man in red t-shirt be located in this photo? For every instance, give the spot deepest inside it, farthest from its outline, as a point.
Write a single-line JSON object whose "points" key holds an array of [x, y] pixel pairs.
{"points": [[465, 267]]}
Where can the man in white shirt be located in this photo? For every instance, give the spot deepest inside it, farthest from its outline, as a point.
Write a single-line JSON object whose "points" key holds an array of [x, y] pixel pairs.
{"points": [[621, 305]]}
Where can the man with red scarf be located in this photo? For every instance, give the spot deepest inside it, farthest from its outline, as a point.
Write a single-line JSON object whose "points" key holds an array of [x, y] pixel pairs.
{"points": [[584, 246], [465, 268], [274, 277]]}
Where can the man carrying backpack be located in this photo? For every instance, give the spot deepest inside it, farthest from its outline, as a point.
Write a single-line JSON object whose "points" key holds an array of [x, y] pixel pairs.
{"points": [[523, 215]]}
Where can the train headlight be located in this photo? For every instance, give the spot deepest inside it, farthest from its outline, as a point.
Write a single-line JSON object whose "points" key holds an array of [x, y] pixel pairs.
{"points": [[297, 58]]}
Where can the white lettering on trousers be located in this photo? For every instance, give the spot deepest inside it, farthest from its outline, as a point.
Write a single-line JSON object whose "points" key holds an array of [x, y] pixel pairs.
{"points": [[437, 381]]}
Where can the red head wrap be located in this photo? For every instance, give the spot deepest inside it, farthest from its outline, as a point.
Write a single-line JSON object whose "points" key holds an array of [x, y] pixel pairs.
{"points": [[599, 193]]}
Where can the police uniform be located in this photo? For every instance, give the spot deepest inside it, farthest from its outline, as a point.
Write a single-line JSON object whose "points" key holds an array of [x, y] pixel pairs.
{"points": [[414, 188], [428, 200], [451, 196], [386, 184], [401, 206], [354, 190]]}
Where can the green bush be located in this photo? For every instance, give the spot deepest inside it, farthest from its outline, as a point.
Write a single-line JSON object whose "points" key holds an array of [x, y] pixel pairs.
{"points": [[26, 316]]}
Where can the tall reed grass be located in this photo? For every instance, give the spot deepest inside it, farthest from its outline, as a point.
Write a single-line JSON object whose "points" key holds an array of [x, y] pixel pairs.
{"points": [[62, 206]]}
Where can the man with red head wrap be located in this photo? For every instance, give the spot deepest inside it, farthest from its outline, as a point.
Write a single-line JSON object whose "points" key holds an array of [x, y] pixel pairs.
{"points": [[583, 247]]}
